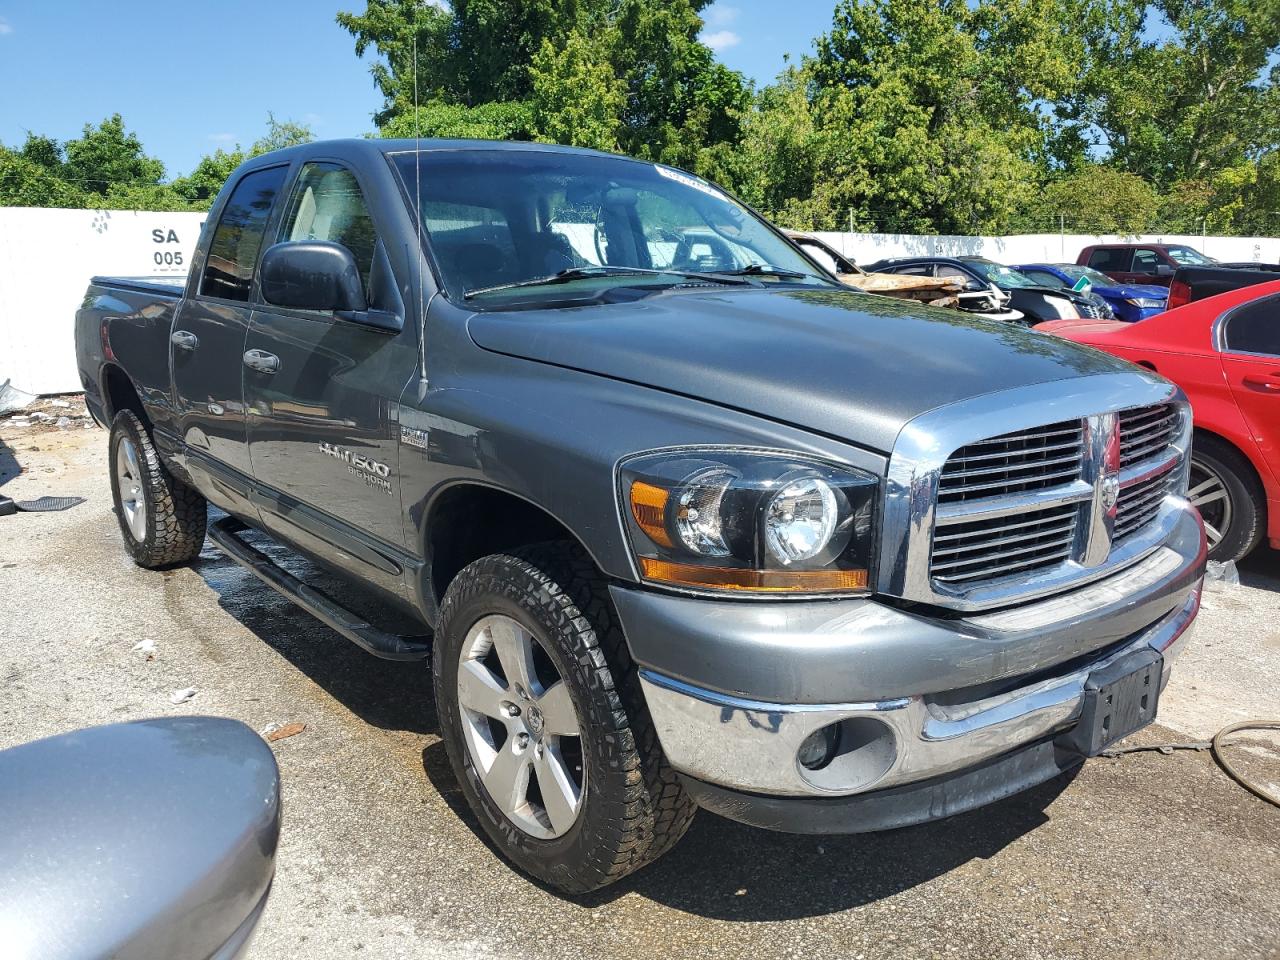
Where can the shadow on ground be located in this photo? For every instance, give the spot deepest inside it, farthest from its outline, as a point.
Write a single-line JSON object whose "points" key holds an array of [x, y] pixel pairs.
{"points": [[9, 466], [1261, 569], [721, 869]]}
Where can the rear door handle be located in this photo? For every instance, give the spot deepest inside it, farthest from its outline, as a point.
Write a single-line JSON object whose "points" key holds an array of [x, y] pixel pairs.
{"points": [[1264, 383], [261, 361], [184, 340]]}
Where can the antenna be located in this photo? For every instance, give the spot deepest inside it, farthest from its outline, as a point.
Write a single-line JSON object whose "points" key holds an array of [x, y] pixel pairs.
{"points": [[417, 202]]}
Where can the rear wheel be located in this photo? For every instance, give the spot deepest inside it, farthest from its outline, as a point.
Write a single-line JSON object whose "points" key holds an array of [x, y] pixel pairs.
{"points": [[162, 520], [545, 726], [1226, 491]]}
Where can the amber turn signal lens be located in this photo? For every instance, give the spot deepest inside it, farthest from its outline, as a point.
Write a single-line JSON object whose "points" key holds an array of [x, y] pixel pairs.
{"points": [[649, 507], [764, 581]]}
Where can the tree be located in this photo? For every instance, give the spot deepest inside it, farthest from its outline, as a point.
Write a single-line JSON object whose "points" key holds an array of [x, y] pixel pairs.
{"points": [[576, 98], [109, 154], [512, 120], [1099, 200], [25, 183], [203, 183]]}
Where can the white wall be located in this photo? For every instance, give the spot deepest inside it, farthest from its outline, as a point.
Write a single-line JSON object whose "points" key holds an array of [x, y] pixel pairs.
{"points": [[865, 248], [46, 259]]}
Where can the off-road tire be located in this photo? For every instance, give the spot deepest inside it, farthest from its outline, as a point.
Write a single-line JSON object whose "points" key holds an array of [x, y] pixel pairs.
{"points": [[1248, 501], [176, 514], [635, 808]]}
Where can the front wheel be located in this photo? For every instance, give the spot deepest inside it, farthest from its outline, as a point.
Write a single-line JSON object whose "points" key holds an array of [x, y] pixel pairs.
{"points": [[1230, 500], [162, 520], [544, 723]]}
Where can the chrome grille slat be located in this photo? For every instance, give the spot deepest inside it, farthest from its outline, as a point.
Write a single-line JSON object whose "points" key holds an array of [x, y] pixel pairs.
{"points": [[1066, 526], [1144, 433], [950, 536], [955, 477], [1058, 432], [1047, 479], [992, 573], [1051, 448]]}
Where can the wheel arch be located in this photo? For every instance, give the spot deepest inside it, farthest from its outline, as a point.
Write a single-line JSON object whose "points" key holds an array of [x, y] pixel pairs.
{"points": [[119, 393], [468, 520]]}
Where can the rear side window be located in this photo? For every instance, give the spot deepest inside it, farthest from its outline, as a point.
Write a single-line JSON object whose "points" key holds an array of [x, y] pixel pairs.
{"points": [[1255, 328], [237, 240], [1145, 261], [327, 205], [1111, 260]]}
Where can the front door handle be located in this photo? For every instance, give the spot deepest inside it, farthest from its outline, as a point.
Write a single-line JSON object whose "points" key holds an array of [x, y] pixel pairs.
{"points": [[184, 340], [261, 361], [1265, 383]]}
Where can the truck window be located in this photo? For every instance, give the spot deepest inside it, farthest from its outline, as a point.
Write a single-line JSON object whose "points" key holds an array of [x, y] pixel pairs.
{"points": [[1145, 261], [237, 240], [1111, 259], [471, 241], [1255, 328], [327, 205]]}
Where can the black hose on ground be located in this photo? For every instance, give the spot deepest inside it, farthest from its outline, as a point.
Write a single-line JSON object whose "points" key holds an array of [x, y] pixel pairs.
{"points": [[1219, 741]]}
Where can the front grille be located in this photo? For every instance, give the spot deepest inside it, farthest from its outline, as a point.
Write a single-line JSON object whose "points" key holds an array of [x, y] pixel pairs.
{"points": [[1013, 462], [1002, 546], [1012, 505], [1147, 432]]}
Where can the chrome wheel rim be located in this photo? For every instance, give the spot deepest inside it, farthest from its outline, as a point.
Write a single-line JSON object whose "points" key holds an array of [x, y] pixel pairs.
{"points": [[520, 728], [133, 501], [1209, 494]]}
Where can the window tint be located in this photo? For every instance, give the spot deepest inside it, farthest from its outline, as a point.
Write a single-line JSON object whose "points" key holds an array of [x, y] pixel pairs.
{"points": [[1145, 261], [237, 240], [327, 205], [1111, 260], [1255, 328], [1044, 278]]}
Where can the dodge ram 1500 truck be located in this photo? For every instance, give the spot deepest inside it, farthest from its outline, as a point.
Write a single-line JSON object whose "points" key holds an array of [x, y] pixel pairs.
{"points": [[684, 523]]}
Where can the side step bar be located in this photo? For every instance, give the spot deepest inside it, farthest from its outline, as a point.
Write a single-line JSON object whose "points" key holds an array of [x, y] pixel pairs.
{"points": [[388, 646]]}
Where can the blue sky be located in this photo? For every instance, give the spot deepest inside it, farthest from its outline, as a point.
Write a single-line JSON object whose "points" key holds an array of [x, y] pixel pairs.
{"points": [[191, 77]]}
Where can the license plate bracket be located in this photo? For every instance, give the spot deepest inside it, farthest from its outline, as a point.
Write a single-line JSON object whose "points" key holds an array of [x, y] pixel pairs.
{"points": [[1119, 699]]}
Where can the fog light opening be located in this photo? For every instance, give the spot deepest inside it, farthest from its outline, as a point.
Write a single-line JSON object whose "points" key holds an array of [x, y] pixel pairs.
{"points": [[819, 747]]}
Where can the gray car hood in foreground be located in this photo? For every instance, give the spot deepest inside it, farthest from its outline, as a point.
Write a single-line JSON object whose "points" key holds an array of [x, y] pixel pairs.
{"points": [[845, 364]]}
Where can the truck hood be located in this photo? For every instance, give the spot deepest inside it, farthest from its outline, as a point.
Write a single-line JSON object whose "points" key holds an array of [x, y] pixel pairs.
{"points": [[841, 363]]}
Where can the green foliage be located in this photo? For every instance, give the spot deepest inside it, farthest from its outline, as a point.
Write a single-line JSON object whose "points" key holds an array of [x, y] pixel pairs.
{"points": [[108, 154], [1099, 200], [25, 183], [512, 120], [576, 97]]}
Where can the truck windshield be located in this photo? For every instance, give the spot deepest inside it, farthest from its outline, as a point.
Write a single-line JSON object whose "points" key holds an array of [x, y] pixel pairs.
{"points": [[1189, 256], [531, 225]]}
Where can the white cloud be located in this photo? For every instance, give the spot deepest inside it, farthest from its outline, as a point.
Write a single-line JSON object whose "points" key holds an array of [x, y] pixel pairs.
{"points": [[222, 137], [721, 39], [720, 15], [5, 27]]}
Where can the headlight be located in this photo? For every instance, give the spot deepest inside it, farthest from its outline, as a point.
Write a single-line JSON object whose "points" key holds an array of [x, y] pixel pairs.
{"points": [[1144, 302], [741, 521]]}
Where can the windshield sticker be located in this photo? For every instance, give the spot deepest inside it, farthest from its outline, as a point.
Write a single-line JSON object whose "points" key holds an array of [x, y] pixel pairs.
{"points": [[688, 181]]}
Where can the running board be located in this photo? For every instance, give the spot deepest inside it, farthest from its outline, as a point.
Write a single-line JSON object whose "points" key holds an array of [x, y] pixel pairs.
{"points": [[388, 646]]}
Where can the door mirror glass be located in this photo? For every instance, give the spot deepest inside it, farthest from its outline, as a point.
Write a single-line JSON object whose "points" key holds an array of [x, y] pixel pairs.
{"points": [[312, 275]]}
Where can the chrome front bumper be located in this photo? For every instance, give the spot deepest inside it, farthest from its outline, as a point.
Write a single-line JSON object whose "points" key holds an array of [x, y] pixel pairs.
{"points": [[1016, 677], [748, 745]]}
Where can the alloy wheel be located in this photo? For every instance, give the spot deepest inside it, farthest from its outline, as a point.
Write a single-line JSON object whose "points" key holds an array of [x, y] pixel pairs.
{"points": [[520, 727], [129, 481], [1209, 495]]}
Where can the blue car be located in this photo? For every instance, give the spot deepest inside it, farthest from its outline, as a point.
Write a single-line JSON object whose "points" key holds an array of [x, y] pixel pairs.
{"points": [[1129, 301]]}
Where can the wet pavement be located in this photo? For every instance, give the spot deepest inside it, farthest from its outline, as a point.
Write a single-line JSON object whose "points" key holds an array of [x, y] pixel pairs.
{"points": [[1143, 856]]}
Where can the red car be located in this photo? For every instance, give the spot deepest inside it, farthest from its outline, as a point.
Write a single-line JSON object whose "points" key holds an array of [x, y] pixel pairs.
{"points": [[1224, 351]]}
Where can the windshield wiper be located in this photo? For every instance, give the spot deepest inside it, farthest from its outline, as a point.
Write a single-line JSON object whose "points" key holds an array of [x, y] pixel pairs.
{"points": [[765, 270], [587, 272]]}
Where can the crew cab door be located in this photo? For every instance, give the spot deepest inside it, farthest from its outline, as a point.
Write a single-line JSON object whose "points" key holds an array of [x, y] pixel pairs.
{"points": [[322, 389], [207, 339], [1250, 342]]}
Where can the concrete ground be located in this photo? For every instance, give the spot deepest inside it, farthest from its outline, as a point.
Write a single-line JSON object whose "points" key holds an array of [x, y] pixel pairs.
{"points": [[1142, 856]]}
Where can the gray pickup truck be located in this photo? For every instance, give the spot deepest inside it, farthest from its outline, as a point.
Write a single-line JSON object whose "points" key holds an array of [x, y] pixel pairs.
{"points": [[681, 521]]}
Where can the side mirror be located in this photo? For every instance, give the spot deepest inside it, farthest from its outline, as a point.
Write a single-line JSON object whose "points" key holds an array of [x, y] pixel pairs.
{"points": [[312, 275], [1164, 270], [148, 839]]}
